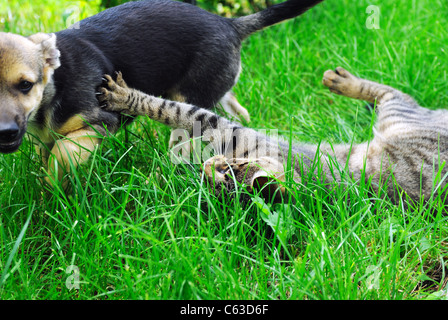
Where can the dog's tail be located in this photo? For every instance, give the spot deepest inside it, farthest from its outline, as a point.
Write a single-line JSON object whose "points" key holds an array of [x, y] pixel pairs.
{"points": [[272, 15]]}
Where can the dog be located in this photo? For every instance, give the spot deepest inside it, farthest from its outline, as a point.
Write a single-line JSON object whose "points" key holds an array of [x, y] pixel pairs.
{"points": [[166, 48]]}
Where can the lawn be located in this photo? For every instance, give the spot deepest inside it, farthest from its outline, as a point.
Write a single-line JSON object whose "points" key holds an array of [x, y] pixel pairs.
{"points": [[136, 226]]}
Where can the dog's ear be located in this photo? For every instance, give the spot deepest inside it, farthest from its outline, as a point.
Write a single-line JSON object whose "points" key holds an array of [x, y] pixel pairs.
{"points": [[50, 52]]}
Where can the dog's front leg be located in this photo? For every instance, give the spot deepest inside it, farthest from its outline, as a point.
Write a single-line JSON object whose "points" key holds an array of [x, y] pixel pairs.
{"points": [[69, 152]]}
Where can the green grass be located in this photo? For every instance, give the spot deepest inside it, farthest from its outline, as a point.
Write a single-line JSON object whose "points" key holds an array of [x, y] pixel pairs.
{"points": [[139, 227]]}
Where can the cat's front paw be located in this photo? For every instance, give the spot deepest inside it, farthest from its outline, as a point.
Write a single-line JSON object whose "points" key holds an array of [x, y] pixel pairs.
{"points": [[113, 94]]}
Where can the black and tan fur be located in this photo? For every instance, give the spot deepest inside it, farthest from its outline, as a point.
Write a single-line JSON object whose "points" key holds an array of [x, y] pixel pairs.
{"points": [[410, 141], [166, 48]]}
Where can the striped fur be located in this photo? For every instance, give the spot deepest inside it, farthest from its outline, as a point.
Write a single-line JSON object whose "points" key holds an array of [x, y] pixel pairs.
{"points": [[409, 141]]}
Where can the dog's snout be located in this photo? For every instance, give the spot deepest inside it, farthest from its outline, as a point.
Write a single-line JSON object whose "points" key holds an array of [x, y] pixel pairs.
{"points": [[9, 131]]}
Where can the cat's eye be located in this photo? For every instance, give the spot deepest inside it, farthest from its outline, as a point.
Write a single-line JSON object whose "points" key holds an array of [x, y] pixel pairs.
{"points": [[222, 170], [25, 86]]}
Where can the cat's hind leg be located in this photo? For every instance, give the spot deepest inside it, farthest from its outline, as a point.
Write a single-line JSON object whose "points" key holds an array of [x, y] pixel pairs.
{"points": [[342, 82]]}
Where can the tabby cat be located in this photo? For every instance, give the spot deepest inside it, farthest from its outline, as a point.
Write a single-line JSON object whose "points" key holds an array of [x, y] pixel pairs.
{"points": [[409, 141]]}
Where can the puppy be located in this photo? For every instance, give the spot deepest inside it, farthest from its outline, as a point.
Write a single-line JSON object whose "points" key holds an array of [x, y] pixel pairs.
{"points": [[165, 48]]}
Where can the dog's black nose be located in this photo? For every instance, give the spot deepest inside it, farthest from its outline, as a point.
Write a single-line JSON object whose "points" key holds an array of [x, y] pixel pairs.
{"points": [[9, 132]]}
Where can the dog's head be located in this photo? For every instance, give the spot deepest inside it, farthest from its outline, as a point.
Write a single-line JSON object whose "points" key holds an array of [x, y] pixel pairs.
{"points": [[26, 67]]}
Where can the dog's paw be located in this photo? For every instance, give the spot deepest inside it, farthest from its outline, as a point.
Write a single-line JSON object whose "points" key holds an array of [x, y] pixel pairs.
{"points": [[339, 81], [112, 95]]}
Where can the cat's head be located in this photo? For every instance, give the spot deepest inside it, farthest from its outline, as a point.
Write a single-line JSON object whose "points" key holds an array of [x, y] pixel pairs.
{"points": [[262, 175]]}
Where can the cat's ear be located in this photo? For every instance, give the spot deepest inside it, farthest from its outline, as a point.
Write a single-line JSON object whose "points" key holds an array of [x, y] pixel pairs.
{"points": [[268, 185]]}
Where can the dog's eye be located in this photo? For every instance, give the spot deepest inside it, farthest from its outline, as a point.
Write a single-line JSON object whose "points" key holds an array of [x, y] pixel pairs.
{"points": [[25, 86]]}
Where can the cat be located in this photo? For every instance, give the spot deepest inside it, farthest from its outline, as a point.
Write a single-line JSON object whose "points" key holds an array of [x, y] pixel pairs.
{"points": [[409, 141]]}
